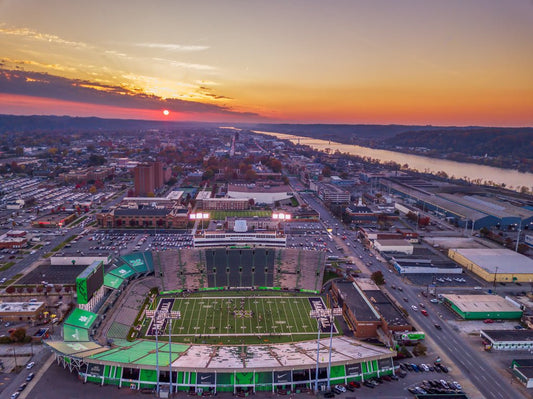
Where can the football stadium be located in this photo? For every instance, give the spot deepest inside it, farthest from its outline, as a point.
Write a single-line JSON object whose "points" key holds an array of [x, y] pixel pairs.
{"points": [[210, 320]]}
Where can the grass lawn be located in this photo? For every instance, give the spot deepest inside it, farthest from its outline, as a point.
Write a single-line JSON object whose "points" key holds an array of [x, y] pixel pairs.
{"points": [[241, 318]]}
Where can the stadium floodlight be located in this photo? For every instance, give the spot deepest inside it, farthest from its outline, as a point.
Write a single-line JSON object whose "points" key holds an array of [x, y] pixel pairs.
{"points": [[158, 316], [323, 314], [281, 216], [199, 216]]}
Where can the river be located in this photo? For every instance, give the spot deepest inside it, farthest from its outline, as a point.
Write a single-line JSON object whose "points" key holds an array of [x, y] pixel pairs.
{"points": [[469, 171]]}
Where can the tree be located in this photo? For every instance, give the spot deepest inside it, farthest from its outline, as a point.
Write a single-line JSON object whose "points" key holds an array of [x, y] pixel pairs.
{"points": [[420, 349], [18, 335], [377, 277], [10, 289]]}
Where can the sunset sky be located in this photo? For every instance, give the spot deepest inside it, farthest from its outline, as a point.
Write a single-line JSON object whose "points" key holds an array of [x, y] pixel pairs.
{"points": [[454, 62]]}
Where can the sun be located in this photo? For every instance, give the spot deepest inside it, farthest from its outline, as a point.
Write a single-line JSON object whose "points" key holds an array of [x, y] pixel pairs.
{"points": [[166, 112]]}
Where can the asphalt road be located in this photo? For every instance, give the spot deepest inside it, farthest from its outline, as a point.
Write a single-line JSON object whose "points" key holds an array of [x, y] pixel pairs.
{"points": [[490, 383]]}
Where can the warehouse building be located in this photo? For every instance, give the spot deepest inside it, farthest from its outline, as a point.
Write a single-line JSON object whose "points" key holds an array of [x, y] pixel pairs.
{"points": [[395, 246], [478, 307], [523, 370], [424, 266], [469, 210], [508, 340], [494, 265]]}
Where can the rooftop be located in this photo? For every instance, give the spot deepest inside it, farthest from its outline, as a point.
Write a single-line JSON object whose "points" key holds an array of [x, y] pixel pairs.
{"points": [[141, 212], [302, 354], [497, 260], [356, 302], [10, 307], [385, 307], [508, 335], [481, 303]]}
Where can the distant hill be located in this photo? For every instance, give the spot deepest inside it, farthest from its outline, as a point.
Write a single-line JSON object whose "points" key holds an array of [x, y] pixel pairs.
{"points": [[514, 142], [11, 123], [346, 134]]}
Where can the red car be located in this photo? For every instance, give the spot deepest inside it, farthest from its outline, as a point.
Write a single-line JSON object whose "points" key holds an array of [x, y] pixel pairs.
{"points": [[488, 321], [355, 384], [424, 312]]}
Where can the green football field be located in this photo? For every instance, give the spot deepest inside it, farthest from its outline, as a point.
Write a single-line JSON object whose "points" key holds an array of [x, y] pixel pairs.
{"points": [[241, 319]]}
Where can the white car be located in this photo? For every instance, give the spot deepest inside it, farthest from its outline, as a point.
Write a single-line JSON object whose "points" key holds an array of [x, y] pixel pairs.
{"points": [[340, 388], [414, 308], [30, 365], [457, 385]]}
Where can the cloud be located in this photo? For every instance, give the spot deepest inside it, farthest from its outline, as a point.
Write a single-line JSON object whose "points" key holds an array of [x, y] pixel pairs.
{"points": [[179, 64], [10, 63], [43, 37], [173, 47], [49, 86]]}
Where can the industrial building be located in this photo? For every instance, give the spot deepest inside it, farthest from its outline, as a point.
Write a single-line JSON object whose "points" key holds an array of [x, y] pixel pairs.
{"points": [[367, 310], [467, 209], [478, 307], [424, 266], [395, 246], [494, 265], [523, 370], [508, 340]]}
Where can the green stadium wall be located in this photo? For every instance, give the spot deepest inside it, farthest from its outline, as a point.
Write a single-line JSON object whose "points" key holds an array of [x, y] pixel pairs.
{"points": [[233, 381]]}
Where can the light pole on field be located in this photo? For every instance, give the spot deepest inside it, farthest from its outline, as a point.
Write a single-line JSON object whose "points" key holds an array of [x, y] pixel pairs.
{"points": [[158, 318], [329, 315]]}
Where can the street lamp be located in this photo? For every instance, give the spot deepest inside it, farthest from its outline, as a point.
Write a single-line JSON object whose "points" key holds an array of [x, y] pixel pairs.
{"points": [[158, 318], [328, 314], [518, 235]]}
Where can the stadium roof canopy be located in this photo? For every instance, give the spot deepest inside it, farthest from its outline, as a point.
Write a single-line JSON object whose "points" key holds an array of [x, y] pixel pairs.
{"points": [[81, 318], [225, 358], [112, 281], [123, 271]]}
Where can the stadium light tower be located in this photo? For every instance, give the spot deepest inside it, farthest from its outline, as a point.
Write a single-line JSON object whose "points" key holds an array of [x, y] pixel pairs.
{"points": [[199, 216], [158, 318], [282, 217], [322, 314]]}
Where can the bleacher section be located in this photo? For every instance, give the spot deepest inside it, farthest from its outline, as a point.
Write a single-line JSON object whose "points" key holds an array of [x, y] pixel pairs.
{"points": [[297, 269], [240, 267], [193, 269], [182, 269]]}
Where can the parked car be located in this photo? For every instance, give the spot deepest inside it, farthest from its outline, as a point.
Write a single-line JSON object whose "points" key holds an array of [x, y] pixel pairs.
{"points": [[340, 388], [30, 377], [30, 365]]}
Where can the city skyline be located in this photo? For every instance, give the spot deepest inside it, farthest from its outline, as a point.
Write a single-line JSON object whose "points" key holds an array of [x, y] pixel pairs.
{"points": [[409, 62]]}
